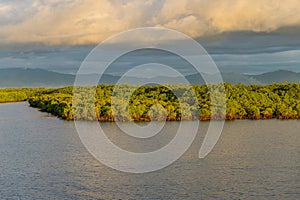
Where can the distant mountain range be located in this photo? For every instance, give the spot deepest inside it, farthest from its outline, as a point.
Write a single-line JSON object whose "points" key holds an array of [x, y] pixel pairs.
{"points": [[277, 76], [19, 77]]}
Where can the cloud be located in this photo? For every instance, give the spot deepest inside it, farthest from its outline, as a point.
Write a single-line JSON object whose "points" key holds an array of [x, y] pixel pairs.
{"points": [[54, 22]]}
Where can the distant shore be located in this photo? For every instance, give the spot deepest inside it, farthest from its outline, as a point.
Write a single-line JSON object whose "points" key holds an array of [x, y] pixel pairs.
{"points": [[15, 101], [281, 101]]}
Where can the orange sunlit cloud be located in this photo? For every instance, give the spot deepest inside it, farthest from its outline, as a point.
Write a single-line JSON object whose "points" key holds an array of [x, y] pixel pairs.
{"points": [[56, 22]]}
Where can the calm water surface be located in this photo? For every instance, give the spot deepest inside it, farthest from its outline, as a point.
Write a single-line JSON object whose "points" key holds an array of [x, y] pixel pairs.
{"points": [[41, 157]]}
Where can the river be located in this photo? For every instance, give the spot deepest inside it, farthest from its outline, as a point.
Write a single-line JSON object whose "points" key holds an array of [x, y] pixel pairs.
{"points": [[42, 157]]}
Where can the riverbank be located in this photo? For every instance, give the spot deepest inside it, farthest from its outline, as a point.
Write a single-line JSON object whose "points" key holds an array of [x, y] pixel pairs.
{"points": [[15, 101], [281, 101]]}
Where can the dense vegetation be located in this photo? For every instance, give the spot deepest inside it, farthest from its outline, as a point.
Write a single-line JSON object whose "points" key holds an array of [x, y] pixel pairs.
{"points": [[280, 101], [17, 94]]}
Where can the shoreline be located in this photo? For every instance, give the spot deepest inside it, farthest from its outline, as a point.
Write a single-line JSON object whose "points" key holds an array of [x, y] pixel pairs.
{"points": [[254, 102], [206, 118], [15, 101]]}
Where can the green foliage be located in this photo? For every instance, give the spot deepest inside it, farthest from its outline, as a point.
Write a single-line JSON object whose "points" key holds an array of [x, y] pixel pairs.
{"points": [[17, 94], [128, 103]]}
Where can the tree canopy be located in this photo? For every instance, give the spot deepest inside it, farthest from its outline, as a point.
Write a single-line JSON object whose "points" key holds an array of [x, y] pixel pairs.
{"points": [[144, 103]]}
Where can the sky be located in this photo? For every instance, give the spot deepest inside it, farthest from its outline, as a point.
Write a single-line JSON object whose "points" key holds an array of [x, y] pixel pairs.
{"points": [[70, 22], [57, 35]]}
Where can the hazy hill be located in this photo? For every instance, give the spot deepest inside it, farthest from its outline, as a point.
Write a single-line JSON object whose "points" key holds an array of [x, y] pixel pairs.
{"points": [[277, 76], [18, 77]]}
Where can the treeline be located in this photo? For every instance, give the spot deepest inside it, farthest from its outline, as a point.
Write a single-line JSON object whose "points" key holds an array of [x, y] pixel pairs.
{"points": [[17, 94], [144, 103]]}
